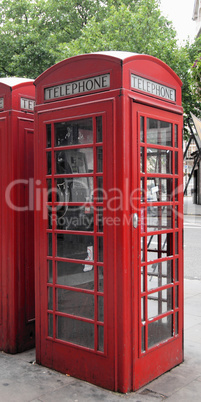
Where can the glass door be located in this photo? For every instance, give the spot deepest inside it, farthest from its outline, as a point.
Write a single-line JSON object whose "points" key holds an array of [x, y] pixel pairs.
{"points": [[75, 232], [159, 260], [76, 310]]}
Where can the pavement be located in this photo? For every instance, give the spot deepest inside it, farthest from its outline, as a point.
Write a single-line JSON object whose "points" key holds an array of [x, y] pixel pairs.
{"points": [[22, 380], [190, 208]]}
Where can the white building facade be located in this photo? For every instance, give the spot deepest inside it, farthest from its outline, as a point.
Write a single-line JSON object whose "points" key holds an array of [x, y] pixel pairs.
{"points": [[197, 16]]}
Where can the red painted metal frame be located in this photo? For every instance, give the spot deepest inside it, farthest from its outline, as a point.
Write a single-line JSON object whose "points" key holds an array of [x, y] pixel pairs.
{"points": [[153, 361], [121, 367], [17, 316]]}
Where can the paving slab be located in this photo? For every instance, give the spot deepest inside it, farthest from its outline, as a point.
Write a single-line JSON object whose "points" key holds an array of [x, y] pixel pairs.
{"points": [[21, 380], [79, 391], [192, 287], [192, 392]]}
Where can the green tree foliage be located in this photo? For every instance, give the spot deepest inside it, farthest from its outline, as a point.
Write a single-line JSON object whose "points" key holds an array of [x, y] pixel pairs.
{"points": [[36, 34], [195, 56], [141, 31], [196, 72], [138, 27], [31, 30]]}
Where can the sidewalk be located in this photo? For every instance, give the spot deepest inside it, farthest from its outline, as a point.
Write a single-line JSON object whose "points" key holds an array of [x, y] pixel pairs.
{"points": [[23, 381], [190, 208]]}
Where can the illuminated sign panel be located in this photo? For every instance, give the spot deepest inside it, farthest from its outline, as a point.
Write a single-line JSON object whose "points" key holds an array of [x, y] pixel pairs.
{"points": [[78, 87], [153, 88], [27, 104], [1, 103]]}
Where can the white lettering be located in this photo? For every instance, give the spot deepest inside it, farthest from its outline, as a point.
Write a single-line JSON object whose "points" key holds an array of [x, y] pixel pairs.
{"points": [[77, 87], [27, 104], [1, 103], [153, 88]]}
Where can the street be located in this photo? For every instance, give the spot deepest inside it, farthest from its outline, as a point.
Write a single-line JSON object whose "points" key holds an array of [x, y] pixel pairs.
{"points": [[192, 247]]}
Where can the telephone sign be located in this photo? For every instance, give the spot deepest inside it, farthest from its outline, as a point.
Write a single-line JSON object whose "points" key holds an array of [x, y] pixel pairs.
{"points": [[78, 87], [1, 103], [152, 88]]}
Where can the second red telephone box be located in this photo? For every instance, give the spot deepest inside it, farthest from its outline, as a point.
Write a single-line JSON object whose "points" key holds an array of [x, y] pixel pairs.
{"points": [[108, 240], [17, 315]]}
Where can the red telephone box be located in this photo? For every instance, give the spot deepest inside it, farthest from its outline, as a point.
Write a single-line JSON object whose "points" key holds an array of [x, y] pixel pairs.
{"points": [[108, 239], [17, 314]]}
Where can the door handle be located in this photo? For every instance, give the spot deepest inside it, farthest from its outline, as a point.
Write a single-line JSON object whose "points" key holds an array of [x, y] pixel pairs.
{"points": [[135, 220]]}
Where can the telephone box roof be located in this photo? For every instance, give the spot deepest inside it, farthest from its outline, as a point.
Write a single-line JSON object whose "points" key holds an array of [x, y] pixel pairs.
{"points": [[117, 54], [13, 81], [118, 57]]}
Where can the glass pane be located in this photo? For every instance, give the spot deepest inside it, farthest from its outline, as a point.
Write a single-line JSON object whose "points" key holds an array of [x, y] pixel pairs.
{"points": [[142, 280], [177, 189], [176, 216], [99, 135], [75, 331], [49, 163], [50, 325], [142, 189], [75, 218], [100, 219], [159, 246], [159, 218], [50, 298], [74, 161], [100, 279], [71, 274], [75, 246], [176, 270], [101, 338], [160, 302], [176, 296], [75, 303], [100, 308], [50, 277], [143, 339], [142, 249], [48, 133], [159, 274], [141, 128], [176, 162], [159, 132], [50, 217], [99, 190], [142, 159], [176, 242], [160, 330], [49, 190], [73, 132], [99, 157], [159, 189], [176, 323], [49, 244], [100, 249], [75, 189], [142, 309], [159, 161], [176, 135]]}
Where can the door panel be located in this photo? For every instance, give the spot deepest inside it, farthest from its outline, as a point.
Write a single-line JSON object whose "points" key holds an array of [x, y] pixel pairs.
{"points": [[2, 130], [76, 303], [158, 262], [25, 232], [29, 227]]}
